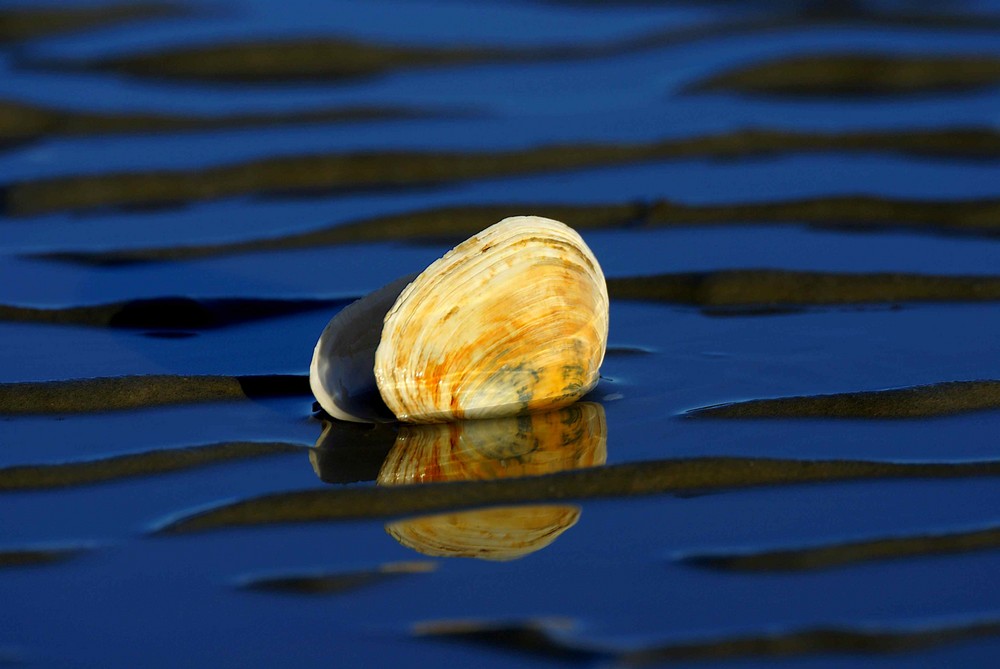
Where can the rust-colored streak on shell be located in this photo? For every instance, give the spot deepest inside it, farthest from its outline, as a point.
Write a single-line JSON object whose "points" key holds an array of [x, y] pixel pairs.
{"points": [[514, 319], [531, 445]]}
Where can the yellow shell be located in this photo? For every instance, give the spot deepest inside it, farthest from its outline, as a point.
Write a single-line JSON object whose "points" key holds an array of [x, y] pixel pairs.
{"points": [[514, 319], [531, 445]]}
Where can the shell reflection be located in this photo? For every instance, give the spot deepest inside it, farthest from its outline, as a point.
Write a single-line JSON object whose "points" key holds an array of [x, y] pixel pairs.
{"points": [[529, 445]]}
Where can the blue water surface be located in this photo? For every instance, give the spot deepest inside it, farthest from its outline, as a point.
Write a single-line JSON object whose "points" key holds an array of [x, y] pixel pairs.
{"points": [[618, 577]]}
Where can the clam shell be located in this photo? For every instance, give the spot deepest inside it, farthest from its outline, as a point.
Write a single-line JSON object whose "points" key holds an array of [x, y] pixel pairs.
{"points": [[531, 445], [514, 319]]}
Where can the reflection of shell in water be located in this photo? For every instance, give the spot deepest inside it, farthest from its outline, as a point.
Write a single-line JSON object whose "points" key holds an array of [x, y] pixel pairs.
{"points": [[530, 445], [569, 438], [500, 533], [514, 319]]}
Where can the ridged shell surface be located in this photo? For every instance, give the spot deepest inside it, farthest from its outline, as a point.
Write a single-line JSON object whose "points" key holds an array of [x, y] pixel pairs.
{"points": [[514, 319]]}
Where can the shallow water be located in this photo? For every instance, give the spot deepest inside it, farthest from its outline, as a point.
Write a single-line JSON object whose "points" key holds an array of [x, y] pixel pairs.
{"points": [[160, 532]]}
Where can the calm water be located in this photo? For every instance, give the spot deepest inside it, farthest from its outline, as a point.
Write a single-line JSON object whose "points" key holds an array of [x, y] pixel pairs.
{"points": [[608, 578]]}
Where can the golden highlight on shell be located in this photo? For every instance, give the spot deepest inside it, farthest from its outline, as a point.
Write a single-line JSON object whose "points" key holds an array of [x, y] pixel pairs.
{"points": [[573, 437], [514, 319]]}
